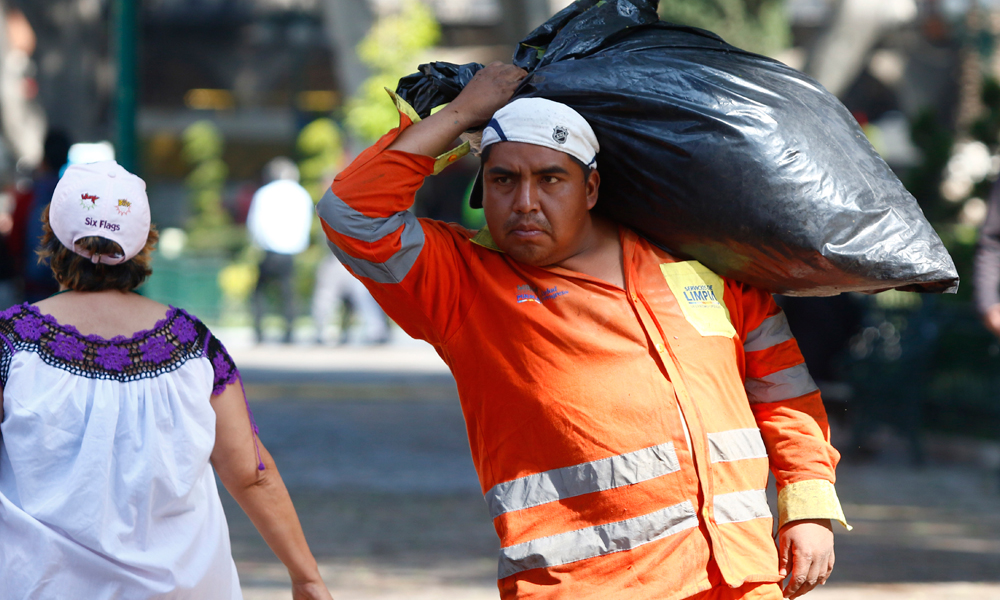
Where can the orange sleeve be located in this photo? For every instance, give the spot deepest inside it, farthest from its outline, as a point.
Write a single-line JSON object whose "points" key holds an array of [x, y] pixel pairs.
{"points": [[415, 268], [787, 407]]}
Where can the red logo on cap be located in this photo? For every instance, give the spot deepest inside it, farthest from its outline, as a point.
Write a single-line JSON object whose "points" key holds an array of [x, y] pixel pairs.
{"points": [[88, 201], [124, 206]]}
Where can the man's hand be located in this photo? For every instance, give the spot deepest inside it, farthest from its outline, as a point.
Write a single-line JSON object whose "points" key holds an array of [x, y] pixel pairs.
{"points": [[490, 89], [805, 549], [992, 319]]}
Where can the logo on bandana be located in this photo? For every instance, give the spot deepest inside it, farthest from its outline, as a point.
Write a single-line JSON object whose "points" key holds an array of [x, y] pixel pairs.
{"points": [[124, 206], [88, 201], [559, 134]]}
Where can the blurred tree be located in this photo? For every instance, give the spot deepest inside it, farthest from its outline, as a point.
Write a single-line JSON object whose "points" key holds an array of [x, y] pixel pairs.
{"points": [[390, 50], [209, 227], [756, 25], [934, 141], [320, 147]]}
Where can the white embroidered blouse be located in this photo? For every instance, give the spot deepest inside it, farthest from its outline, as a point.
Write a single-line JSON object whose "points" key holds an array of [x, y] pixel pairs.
{"points": [[106, 490]]}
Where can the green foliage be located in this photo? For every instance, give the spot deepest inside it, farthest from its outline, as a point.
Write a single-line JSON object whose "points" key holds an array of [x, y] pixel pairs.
{"points": [[320, 147], [391, 50], [202, 141], [759, 26], [209, 228], [986, 128], [934, 141]]}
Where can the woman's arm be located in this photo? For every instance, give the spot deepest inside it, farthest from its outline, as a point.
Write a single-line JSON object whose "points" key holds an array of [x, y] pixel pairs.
{"points": [[262, 494]]}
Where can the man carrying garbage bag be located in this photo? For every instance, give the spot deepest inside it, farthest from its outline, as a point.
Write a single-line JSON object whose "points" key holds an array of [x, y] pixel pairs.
{"points": [[623, 406]]}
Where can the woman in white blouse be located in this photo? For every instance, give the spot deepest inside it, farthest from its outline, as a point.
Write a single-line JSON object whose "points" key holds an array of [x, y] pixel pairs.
{"points": [[114, 410]]}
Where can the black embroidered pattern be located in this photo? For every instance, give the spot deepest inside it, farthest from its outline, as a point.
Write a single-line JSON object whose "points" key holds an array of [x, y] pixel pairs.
{"points": [[174, 340]]}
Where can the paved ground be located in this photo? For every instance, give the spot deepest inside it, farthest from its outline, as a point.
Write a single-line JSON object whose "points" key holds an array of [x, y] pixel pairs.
{"points": [[371, 443]]}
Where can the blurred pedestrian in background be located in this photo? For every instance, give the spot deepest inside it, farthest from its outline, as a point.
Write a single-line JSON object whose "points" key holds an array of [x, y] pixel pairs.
{"points": [[114, 406], [27, 228], [339, 292], [986, 277], [279, 220]]}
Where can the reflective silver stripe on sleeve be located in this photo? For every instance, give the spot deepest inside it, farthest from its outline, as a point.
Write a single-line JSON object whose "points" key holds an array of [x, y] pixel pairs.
{"points": [[595, 476], [741, 506], [589, 542], [771, 332], [736, 444], [348, 222], [783, 385]]}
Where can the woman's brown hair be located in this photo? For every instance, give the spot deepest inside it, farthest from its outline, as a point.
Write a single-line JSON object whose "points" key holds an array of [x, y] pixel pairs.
{"points": [[82, 274]]}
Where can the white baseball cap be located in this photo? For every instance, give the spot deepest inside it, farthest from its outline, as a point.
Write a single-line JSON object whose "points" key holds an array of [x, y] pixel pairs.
{"points": [[101, 199], [541, 122]]}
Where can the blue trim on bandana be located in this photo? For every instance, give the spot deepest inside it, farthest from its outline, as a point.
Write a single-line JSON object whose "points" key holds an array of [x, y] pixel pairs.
{"points": [[496, 127]]}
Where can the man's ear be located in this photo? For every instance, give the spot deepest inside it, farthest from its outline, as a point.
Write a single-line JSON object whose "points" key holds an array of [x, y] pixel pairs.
{"points": [[593, 185]]}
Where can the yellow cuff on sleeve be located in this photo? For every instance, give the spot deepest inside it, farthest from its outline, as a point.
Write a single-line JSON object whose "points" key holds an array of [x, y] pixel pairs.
{"points": [[449, 157], [403, 106], [441, 161], [811, 499]]}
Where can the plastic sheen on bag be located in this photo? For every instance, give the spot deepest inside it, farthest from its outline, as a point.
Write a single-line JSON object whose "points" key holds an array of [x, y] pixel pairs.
{"points": [[721, 155]]}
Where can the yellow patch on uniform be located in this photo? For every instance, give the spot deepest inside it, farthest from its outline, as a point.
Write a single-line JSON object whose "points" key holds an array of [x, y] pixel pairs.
{"points": [[700, 293]]}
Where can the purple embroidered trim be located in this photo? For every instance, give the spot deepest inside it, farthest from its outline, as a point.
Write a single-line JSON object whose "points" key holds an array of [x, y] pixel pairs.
{"points": [[184, 331], [30, 327], [226, 373], [66, 347], [221, 385], [10, 312], [223, 372], [113, 358], [157, 349], [146, 353]]}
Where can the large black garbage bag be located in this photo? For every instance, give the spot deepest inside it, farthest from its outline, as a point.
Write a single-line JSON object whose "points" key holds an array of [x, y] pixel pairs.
{"points": [[722, 155]]}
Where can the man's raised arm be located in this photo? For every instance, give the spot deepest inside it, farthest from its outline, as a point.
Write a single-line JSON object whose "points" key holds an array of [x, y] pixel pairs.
{"points": [[488, 92], [413, 267]]}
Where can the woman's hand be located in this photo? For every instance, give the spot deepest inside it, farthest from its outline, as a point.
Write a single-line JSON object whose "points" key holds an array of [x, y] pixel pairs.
{"points": [[262, 494], [310, 590]]}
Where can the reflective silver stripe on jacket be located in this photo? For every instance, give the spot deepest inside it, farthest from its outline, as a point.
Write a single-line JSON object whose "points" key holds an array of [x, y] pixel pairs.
{"points": [[741, 506], [783, 385], [771, 332], [589, 542], [584, 478], [736, 444], [348, 222]]}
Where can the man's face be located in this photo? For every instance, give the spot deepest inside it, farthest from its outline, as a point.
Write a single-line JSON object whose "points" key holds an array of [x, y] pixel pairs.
{"points": [[537, 202]]}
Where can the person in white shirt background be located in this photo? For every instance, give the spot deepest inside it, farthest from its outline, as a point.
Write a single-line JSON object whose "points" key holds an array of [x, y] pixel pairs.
{"points": [[279, 222]]}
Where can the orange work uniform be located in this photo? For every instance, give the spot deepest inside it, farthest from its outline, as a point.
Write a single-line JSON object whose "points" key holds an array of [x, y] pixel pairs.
{"points": [[622, 437]]}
